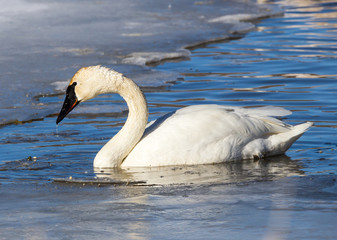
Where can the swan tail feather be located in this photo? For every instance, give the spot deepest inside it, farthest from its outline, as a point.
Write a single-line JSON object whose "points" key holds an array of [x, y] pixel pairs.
{"points": [[281, 142], [275, 144]]}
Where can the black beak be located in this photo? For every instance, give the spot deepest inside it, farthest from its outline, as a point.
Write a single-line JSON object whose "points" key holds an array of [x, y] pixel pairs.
{"points": [[70, 102]]}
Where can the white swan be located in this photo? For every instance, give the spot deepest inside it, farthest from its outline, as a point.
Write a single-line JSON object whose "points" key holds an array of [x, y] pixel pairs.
{"points": [[199, 134]]}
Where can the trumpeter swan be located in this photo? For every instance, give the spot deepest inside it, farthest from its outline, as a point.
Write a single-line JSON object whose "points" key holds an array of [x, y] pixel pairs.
{"points": [[199, 134]]}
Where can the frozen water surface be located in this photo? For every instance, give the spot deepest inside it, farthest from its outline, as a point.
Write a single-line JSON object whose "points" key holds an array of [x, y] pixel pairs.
{"points": [[290, 208], [46, 41], [48, 189]]}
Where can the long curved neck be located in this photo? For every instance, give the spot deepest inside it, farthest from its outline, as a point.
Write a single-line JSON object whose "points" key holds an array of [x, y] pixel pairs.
{"points": [[113, 152]]}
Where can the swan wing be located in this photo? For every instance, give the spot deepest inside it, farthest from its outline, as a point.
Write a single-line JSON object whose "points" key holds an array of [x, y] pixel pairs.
{"points": [[203, 134]]}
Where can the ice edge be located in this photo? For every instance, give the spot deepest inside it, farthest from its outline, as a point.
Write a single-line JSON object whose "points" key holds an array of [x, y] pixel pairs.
{"points": [[241, 24]]}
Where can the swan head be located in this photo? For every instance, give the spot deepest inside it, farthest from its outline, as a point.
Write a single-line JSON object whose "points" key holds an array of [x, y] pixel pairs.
{"points": [[87, 83]]}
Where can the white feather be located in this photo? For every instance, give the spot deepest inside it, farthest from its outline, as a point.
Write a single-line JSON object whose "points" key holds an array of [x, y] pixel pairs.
{"points": [[205, 134]]}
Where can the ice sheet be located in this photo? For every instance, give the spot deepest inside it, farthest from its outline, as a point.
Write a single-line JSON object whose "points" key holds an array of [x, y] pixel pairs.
{"points": [[289, 208], [43, 42]]}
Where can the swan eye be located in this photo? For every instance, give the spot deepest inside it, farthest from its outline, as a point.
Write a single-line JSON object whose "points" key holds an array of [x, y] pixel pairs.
{"points": [[71, 89]]}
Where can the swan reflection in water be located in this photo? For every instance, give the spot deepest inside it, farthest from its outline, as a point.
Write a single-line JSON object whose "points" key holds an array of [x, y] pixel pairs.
{"points": [[223, 173]]}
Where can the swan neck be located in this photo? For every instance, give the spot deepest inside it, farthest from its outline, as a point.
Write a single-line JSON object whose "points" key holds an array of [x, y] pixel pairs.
{"points": [[114, 152]]}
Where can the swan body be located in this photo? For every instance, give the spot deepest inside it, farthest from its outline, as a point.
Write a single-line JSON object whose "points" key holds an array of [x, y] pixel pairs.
{"points": [[199, 134]]}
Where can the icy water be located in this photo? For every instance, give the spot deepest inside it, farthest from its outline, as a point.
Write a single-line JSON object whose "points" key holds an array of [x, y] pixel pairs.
{"points": [[49, 191]]}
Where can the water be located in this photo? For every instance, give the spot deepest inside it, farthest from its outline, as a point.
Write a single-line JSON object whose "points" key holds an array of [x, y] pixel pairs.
{"points": [[286, 61]]}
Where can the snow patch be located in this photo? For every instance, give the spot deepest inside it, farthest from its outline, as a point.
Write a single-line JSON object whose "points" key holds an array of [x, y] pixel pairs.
{"points": [[144, 58]]}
